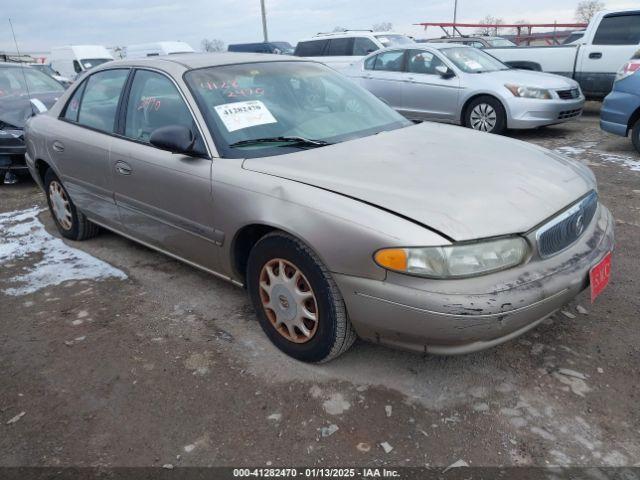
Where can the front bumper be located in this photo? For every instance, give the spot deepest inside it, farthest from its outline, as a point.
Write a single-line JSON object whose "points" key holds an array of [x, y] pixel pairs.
{"points": [[532, 113], [616, 111], [12, 150], [462, 316]]}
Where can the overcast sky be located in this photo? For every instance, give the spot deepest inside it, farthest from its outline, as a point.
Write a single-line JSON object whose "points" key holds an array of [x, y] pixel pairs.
{"points": [[42, 24]]}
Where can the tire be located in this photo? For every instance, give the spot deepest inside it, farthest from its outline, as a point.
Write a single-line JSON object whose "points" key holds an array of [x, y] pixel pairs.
{"points": [[486, 114], [71, 223], [635, 135], [331, 334]]}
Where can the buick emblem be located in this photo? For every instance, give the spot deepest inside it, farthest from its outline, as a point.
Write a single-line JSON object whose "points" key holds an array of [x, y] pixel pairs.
{"points": [[579, 225], [284, 302]]}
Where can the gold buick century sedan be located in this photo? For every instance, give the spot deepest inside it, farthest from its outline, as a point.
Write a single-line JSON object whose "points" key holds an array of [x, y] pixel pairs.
{"points": [[341, 218]]}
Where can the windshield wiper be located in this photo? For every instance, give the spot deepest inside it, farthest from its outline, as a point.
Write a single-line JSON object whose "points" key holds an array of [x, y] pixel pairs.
{"points": [[290, 141]]}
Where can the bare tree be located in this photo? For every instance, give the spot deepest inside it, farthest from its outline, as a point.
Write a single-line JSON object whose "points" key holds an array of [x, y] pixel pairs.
{"points": [[213, 45], [383, 27], [587, 9], [489, 30]]}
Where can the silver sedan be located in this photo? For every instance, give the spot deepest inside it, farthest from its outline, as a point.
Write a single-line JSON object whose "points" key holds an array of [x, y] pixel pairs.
{"points": [[339, 216], [463, 85]]}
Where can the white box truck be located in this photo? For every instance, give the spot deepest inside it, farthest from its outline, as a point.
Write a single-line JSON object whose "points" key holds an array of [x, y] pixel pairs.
{"points": [[72, 60], [156, 49]]}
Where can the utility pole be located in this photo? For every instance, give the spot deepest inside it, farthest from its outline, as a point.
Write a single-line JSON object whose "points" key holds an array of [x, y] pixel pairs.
{"points": [[455, 15], [264, 21]]}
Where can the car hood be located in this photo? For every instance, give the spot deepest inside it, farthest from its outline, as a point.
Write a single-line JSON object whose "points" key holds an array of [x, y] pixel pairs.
{"points": [[461, 183], [16, 109], [530, 78]]}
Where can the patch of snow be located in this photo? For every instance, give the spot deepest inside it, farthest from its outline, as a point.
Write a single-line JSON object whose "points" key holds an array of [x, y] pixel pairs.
{"points": [[23, 235]]}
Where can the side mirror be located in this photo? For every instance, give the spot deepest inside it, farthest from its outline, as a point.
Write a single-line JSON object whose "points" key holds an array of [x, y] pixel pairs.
{"points": [[445, 72], [174, 139]]}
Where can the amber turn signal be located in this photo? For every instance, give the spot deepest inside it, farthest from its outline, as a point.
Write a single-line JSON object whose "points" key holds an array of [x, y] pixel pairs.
{"points": [[392, 259]]}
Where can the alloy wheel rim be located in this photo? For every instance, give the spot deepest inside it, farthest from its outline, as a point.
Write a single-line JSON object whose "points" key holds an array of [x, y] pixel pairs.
{"points": [[60, 205], [288, 300], [483, 117]]}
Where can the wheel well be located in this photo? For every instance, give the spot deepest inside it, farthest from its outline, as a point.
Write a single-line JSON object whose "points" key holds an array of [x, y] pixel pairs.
{"points": [[244, 241], [42, 167], [633, 119], [524, 65], [463, 113]]}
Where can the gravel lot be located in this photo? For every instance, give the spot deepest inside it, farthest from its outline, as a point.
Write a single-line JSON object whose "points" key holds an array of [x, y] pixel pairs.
{"points": [[137, 360]]}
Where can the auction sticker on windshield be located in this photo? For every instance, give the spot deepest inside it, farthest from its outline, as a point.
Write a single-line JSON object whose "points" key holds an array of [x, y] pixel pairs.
{"points": [[239, 115]]}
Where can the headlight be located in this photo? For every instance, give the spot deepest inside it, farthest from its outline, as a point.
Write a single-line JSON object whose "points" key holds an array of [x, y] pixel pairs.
{"points": [[455, 261], [529, 92]]}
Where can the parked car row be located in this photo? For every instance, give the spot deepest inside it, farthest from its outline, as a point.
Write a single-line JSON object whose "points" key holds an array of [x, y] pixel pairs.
{"points": [[334, 211]]}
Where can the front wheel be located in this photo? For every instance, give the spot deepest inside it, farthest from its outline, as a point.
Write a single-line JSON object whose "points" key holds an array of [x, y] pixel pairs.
{"points": [[635, 135], [486, 114], [297, 301]]}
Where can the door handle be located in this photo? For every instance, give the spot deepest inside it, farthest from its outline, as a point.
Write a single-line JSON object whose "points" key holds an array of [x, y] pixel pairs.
{"points": [[123, 168], [58, 147], [595, 55]]}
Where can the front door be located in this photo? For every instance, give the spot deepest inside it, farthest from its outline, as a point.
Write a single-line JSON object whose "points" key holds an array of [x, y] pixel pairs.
{"points": [[164, 199], [427, 94], [614, 42]]}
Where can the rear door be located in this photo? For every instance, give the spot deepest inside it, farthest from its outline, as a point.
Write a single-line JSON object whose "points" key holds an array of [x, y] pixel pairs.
{"points": [[615, 40], [80, 143], [384, 76], [164, 199], [427, 95]]}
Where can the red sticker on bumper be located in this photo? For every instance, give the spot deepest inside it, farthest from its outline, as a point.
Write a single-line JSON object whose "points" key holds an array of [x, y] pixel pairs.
{"points": [[599, 276]]}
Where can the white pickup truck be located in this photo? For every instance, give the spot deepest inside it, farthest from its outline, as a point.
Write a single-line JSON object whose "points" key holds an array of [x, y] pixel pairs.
{"points": [[609, 41]]}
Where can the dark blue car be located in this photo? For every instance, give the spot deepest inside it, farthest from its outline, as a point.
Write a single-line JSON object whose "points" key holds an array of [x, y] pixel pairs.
{"points": [[620, 112]]}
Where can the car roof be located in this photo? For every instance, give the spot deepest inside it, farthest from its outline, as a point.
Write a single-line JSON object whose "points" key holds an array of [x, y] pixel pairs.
{"points": [[190, 61], [349, 34]]}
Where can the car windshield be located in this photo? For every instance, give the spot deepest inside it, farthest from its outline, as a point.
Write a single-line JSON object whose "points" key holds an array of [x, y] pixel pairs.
{"points": [[472, 60], [271, 108], [12, 82], [500, 42], [394, 40], [89, 63]]}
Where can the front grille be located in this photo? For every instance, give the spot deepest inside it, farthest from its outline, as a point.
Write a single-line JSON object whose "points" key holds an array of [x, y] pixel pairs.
{"points": [[569, 114], [569, 94], [566, 228]]}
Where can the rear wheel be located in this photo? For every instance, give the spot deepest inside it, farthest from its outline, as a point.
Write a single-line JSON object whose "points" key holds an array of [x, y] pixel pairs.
{"points": [[297, 301], [486, 114], [635, 135], [71, 223]]}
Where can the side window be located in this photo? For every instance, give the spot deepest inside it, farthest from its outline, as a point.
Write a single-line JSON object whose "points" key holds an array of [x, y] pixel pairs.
{"points": [[312, 48], [100, 100], [421, 61], [370, 62], [390, 61], [363, 46], [476, 44], [73, 107], [154, 102], [340, 47], [76, 66], [618, 30]]}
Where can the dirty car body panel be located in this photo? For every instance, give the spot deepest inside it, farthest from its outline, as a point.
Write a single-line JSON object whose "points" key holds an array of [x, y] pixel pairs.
{"points": [[400, 186]]}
